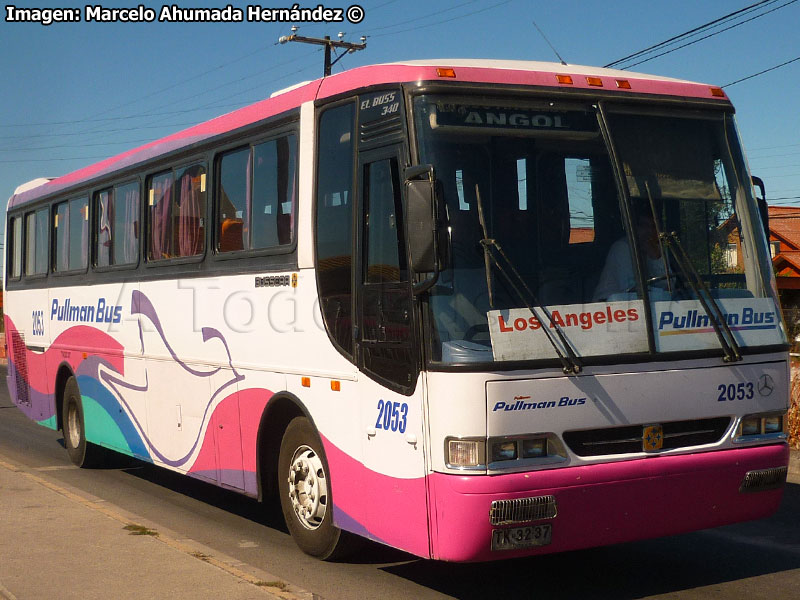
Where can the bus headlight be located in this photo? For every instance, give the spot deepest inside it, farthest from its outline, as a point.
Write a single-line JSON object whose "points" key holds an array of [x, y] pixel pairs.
{"points": [[760, 427], [773, 424], [751, 426], [508, 452], [504, 450], [525, 451], [534, 448]]}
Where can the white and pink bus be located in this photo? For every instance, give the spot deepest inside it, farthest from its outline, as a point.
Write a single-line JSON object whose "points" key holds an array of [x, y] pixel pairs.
{"points": [[468, 309]]}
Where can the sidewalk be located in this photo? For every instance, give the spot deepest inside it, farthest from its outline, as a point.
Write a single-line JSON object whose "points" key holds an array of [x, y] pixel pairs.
{"points": [[60, 543], [794, 463]]}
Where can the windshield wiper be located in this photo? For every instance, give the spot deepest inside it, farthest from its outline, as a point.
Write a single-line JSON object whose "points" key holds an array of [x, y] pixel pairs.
{"points": [[711, 307], [569, 360]]}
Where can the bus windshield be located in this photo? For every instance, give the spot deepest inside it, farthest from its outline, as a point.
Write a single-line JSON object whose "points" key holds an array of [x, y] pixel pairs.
{"points": [[553, 248]]}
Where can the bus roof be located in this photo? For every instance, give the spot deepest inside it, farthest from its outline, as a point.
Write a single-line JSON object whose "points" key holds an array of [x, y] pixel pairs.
{"points": [[510, 72]]}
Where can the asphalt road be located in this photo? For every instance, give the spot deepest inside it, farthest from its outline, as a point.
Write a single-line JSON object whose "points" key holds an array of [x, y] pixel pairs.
{"points": [[748, 561]]}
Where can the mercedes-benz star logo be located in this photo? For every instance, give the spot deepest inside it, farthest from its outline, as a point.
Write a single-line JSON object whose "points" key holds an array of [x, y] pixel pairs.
{"points": [[765, 385]]}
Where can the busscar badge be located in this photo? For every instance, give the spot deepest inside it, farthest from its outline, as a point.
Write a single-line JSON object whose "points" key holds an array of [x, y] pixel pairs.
{"points": [[652, 438]]}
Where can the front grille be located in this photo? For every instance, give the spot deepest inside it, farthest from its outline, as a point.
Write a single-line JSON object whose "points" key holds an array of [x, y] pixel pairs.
{"points": [[763, 480], [628, 439], [522, 510]]}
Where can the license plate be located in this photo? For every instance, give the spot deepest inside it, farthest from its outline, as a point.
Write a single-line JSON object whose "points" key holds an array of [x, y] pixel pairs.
{"points": [[521, 537]]}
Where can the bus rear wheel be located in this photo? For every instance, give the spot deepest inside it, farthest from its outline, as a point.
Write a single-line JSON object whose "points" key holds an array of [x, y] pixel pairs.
{"points": [[81, 452], [305, 494]]}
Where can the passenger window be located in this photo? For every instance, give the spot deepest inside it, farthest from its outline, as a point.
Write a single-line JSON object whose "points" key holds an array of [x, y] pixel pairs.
{"points": [[117, 225], [71, 229], [274, 188], [256, 196], [36, 242], [176, 213], [15, 248]]}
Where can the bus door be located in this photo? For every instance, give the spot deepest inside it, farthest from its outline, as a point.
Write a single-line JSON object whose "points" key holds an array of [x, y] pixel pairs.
{"points": [[391, 395]]}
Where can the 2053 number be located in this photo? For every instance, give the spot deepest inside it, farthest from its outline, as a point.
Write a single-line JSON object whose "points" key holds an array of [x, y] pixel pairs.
{"points": [[738, 391], [392, 416]]}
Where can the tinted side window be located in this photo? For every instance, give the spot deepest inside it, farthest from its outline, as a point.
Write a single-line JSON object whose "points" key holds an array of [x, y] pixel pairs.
{"points": [[257, 191], [71, 234], [117, 225], [334, 222], [15, 248], [274, 165], [233, 200], [176, 213], [36, 242]]}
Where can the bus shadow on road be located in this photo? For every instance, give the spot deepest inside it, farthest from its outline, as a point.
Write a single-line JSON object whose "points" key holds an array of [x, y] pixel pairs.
{"points": [[267, 513], [721, 558]]}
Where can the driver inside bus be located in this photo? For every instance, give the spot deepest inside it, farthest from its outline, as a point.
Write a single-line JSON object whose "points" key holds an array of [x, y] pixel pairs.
{"points": [[618, 275]]}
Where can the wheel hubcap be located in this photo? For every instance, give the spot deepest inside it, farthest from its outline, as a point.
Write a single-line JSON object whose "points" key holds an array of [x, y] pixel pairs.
{"points": [[308, 487], [73, 426]]}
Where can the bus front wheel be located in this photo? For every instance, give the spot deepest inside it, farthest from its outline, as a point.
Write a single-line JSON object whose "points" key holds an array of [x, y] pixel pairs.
{"points": [[81, 452], [305, 494]]}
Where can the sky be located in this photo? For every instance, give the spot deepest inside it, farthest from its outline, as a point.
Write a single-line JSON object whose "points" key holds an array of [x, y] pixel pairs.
{"points": [[74, 93]]}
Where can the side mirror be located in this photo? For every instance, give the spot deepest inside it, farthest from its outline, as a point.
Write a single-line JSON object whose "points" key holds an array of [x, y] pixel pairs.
{"points": [[422, 223], [762, 203]]}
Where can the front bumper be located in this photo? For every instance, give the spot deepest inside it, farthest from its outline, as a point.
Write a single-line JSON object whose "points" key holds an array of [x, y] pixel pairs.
{"points": [[606, 503]]}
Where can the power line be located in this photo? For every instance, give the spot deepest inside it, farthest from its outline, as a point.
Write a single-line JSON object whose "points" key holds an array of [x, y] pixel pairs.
{"points": [[440, 22], [663, 44], [788, 62], [687, 33]]}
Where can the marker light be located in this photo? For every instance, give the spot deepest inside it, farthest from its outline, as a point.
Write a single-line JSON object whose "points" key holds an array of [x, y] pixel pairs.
{"points": [[448, 72], [305, 381], [623, 84], [565, 79], [595, 81], [717, 92], [336, 386]]}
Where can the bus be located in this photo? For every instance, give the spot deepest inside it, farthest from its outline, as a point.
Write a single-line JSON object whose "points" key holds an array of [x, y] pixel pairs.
{"points": [[469, 309]]}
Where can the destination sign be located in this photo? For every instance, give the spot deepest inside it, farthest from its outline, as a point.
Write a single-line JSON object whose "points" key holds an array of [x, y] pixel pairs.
{"points": [[511, 118]]}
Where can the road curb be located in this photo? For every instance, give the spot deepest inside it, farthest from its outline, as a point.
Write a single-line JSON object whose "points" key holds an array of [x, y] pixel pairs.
{"points": [[794, 462], [266, 582]]}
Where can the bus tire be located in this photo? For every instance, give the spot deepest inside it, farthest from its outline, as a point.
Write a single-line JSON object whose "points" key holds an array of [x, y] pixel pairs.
{"points": [[81, 452], [304, 491]]}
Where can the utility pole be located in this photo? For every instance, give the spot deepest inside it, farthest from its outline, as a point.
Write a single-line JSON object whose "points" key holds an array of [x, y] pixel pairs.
{"points": [[328, 43]]}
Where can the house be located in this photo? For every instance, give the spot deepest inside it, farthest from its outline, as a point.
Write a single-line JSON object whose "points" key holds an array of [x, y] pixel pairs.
{"points": [[784, 242]]}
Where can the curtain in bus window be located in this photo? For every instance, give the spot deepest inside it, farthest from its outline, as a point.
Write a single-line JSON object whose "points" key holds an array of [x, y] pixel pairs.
{"points": [[125, 251], [293, 184], [30, 244], [78, 233], [190, 217], [248, 200], [41, 240], [265, 196], [105, 218], [285, 178], [160, 197], [61, 226], [16, 247]]}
